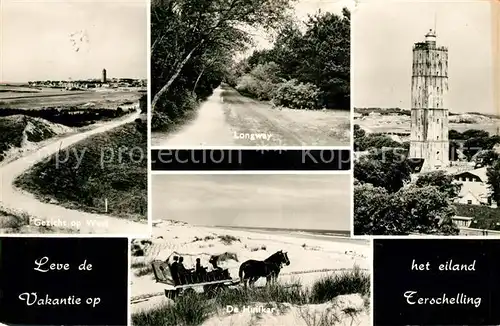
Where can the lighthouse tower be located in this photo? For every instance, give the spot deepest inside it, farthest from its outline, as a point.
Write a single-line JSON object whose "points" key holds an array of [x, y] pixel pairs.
{"points": [[104, 78], [429, 109]]}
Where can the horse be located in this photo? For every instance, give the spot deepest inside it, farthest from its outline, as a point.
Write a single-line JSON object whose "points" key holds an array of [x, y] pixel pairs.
{"points": [[252, 270]]}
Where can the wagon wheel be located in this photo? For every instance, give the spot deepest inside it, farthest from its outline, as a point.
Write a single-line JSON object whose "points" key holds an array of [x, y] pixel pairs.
{"points": [[171, 294], [188, 291], [211, 290]]}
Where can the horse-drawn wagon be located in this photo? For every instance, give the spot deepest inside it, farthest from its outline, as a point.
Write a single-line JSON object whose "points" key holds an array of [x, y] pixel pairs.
{"points": [[178, 282]]}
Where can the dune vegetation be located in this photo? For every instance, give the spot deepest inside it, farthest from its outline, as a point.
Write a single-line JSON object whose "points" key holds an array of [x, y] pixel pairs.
{"points": [[108, 168], [20, 224], [196, 308]]}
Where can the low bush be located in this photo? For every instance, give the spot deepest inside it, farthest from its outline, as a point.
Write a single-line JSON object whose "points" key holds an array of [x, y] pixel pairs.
{"points": [[296, 95], [260, 83], [188, 310], [327, 288]]}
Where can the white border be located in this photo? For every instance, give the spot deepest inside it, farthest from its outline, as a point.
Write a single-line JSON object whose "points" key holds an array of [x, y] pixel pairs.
{"points": [[256, 148], [250, 172], [149, 183], [351, 110], [149, 115], [129, 285]]}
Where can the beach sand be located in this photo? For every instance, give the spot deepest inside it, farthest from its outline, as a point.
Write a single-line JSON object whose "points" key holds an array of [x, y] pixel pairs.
{"points": [[310, 260]]}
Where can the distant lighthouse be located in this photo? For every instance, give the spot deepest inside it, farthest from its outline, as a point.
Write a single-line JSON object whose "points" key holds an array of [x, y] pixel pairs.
{"points": [[103, 79], [429, 109]]}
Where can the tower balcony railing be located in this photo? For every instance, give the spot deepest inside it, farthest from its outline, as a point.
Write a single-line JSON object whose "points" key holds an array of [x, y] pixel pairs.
{"points": [[425, 46]]}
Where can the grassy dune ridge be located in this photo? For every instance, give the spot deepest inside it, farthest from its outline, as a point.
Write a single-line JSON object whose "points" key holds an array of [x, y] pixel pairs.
{"points": [[111, 165], [197, 308], [17, 129]]}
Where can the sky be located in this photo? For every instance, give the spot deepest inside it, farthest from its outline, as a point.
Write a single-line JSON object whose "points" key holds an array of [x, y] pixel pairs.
{"points": [[383, 34], [280, 201], [37, 41]]}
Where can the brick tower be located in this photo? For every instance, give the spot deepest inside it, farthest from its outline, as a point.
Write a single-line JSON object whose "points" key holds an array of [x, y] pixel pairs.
{"points": [[429, 110]]}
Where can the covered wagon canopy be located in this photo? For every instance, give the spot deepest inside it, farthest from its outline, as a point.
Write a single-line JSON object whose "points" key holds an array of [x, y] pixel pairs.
{"points": [[162, 270], [224, 259]]}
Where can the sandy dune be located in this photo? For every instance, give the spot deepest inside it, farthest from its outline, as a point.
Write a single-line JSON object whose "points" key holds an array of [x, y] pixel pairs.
{"points": [[16, 201], [310, 260]]}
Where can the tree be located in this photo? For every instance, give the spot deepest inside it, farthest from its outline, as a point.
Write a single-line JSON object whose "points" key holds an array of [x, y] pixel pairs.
{"points": [[410, 210], [485, 157], [426, 209], [370, 210], [359, 133], [261, 82], [388, 169], [475, 133], [377, 141], [493, 174], [326, 57], [191, 26], [455, 135], [315, 55], [444, 182]]}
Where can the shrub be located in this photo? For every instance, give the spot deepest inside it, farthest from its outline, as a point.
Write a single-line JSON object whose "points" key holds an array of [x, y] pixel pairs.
{"points": [[354, 281], [146, 270], [228, 239], [485, 217], [173, 111], [261, 83], [139, 264], [188, 310], [259, 89], [295, 95]]}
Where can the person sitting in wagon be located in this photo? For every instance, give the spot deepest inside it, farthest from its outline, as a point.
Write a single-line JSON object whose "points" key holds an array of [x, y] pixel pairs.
{"points": [[174, 270], [218, 272], [185, 275], [200, 271]]}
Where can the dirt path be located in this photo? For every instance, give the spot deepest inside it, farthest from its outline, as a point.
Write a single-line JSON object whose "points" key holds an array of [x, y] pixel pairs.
{"points": [[208, 128], [17, 201], [228, 118]]}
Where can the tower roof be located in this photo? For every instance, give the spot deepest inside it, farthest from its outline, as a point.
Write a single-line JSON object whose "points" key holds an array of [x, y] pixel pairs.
{"points": [[431, 33]]}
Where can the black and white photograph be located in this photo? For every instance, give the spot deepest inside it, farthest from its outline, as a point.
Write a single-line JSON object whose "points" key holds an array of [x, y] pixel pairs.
{"points": [[250, 73], [243, 249], [426, 129], [73, 108]]}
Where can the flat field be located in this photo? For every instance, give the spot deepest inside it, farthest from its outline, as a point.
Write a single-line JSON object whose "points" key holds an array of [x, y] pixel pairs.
{"points": [[33, 98]]}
